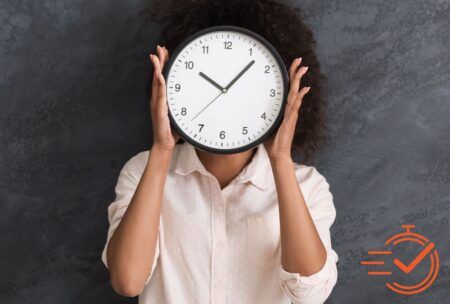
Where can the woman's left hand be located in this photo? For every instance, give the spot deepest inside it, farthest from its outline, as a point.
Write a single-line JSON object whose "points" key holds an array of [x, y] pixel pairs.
{"points": [[279, 144]]}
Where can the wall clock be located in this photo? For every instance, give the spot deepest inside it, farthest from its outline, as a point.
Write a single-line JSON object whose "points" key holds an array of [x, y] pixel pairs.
{"points": [[226, 89]]}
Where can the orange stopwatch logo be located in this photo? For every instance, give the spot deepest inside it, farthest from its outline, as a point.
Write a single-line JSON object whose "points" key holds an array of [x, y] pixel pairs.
{"points": [[427, 252]]}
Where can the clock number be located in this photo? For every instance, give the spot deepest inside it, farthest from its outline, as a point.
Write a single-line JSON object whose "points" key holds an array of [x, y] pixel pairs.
{"points": [[272, 93], [183, 111], [222, 134], [201, 127], [263, 116], [189, 65], [244, 130], [251, 51], [267, 69], [205, 49], [227, 45], [177, 87]]}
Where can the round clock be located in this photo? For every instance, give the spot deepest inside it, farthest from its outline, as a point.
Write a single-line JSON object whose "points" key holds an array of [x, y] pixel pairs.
{"points": [[428, 250], [226, 89]]}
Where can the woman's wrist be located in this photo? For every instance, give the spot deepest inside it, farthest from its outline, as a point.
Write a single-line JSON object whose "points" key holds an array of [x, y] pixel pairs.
{"points": [[159, 157], [281, 166], [280, 160]]}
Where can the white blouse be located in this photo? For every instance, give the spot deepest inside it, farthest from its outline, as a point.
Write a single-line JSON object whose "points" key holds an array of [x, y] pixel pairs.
{"points": [[223, 246]]}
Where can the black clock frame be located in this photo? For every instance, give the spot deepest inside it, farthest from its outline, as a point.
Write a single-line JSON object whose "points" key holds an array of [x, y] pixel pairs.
{"points": [[283, 71]]}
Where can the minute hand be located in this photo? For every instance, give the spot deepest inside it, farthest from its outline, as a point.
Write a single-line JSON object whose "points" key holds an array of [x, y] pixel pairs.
{"points": [[239, 75]]}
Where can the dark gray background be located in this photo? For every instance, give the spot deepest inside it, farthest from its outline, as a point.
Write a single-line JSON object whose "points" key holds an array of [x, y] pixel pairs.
{"points": [[73, 110]]}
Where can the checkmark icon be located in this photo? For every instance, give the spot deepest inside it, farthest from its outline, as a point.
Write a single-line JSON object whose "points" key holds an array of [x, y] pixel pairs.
{"points": [[416, 261], [427, 256]]}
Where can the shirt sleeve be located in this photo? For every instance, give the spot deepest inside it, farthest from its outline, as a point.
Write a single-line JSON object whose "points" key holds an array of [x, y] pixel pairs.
{"points": [[316, 288], [126, 186]]}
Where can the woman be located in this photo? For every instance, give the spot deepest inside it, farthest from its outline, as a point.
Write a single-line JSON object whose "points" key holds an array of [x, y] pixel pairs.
{"points": [[189, 226]]}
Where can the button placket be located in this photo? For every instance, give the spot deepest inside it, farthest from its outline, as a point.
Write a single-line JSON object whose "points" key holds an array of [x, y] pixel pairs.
{"points": [[218, 273]]}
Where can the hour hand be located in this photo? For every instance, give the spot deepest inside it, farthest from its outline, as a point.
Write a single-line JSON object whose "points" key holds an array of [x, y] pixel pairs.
{"points": [[212, 82], [239, 75]]}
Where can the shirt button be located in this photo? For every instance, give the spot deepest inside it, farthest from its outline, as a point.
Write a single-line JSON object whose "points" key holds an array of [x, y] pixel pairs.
{"points": [[219, 208], [220, 245]]}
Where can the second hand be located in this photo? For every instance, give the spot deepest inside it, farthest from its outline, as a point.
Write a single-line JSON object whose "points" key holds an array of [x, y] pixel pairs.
{"points": [[207, 106]]}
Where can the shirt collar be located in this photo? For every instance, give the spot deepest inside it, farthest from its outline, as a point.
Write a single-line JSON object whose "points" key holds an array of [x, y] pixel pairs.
{"points": [[257, 171]]}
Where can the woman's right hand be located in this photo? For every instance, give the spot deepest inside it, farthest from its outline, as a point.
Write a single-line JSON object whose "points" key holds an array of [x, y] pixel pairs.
{"points": [[164, 138]]}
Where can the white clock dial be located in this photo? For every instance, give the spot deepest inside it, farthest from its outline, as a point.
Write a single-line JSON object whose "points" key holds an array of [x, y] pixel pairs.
{"points": [[225, 90]]}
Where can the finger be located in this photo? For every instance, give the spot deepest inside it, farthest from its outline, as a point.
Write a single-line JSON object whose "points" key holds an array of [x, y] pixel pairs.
{"points": [[294, 65], [155, 73], [167, 53], [291, 116], [288, 110], [155, 82], [162, 86], [161, 104], [175, 135], [160, 91], [299, 99], [161, 56], [166, 56], [295, 85], [290, 120], [157, 64], [292, 110]]}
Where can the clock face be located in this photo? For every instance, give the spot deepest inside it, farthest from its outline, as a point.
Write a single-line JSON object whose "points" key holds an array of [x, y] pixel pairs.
{"points": [[226, 89]]}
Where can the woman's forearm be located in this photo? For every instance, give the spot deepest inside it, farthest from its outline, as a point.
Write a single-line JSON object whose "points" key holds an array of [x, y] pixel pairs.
{"points": [[302, 250], [132, 247]]}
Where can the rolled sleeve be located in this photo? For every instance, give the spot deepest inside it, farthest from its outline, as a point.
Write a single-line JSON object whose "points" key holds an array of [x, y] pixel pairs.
{"points": [[310, 289], [315, 288], [126, 186]]}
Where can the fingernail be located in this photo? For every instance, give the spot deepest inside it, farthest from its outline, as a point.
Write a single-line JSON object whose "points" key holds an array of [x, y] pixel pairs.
{"points": [[306, 68]]}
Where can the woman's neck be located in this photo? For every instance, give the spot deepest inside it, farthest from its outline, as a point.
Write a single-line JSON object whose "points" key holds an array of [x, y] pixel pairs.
{"points": [[225, 167]]}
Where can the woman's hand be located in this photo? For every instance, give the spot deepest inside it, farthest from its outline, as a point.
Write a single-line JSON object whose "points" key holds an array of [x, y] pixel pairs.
{"points": [[278, 146], [163, 137]]}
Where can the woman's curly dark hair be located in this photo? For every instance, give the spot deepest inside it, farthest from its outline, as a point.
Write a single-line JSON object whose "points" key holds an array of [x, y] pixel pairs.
{"points": [[279, 23]]}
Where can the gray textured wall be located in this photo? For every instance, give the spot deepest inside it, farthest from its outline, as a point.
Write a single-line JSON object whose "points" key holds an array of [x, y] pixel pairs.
{"points": [[73, 110]]}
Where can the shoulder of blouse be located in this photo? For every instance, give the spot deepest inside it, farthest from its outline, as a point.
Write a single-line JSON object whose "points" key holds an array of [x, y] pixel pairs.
{"points": [[136, 163], [311, 181]]}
